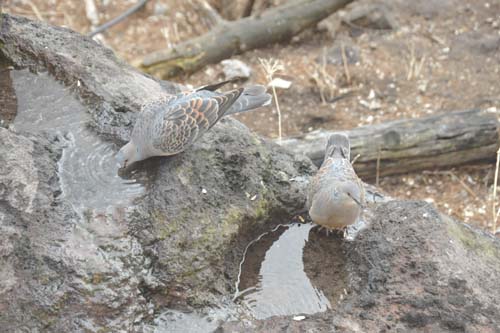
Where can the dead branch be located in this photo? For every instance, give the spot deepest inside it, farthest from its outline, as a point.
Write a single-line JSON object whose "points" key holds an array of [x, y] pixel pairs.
{"points": [[117, 19], [439, 141], [248, 8], [228, 38]]}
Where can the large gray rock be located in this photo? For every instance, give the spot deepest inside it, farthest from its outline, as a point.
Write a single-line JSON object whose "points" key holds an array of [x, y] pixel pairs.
{"points": [[180, 244], [413, 269], [177, 244], [201, 199], [57, 273], [112, 89]]}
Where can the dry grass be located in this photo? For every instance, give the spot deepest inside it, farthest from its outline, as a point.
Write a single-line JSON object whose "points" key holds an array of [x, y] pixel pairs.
{"points": [[355, 159], [324, 81], [346, 65], [415, 65], [377, 176], [454, 177], [494, 211], [35, 10], [271, 67]]}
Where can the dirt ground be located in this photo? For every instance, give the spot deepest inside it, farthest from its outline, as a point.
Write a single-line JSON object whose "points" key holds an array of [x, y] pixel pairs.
{"points": [[419, 58]]}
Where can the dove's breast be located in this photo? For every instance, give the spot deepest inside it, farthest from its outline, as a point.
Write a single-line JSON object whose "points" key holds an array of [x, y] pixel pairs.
{"points": [[147, 126], [333, 212], [335, 195]]}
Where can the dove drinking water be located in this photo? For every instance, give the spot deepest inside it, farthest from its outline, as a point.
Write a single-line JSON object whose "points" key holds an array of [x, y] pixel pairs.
{"points": [[87, 171], [171, 124], [336, 194]]}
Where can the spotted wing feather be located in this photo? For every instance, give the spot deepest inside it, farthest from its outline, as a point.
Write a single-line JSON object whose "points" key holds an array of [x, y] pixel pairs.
{"points": [[332, 170], [187, 120]]}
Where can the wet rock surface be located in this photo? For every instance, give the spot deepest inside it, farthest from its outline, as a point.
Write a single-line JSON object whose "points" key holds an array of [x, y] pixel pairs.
{"points": [[59, 272], [412, 269], [177, 247], [202, 199], [115, 265], [102, 80]]}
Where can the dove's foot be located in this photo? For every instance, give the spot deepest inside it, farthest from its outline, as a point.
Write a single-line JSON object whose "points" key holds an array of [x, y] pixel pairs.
{"points": [[328, 231]]}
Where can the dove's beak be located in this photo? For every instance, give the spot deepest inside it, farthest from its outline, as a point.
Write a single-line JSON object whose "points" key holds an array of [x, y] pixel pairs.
{"points": [[120, 160]]}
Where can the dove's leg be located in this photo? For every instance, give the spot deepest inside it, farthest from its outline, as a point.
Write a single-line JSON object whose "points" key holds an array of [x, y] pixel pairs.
{"points": [[321, 228]]}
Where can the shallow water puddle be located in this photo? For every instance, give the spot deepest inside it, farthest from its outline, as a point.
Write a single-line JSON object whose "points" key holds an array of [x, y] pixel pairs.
{"points": [[87, 168], [111, 262], [291, 270]]}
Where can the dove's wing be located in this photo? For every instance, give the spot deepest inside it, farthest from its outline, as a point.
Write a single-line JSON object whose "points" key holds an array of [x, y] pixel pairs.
{"points": [[332, 171], [172, 98], [215, 86], [185, 120], [317, 181]]}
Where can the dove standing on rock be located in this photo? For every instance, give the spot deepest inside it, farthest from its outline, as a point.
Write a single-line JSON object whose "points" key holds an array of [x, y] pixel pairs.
{"points": [[169, 125], [336, 194]]}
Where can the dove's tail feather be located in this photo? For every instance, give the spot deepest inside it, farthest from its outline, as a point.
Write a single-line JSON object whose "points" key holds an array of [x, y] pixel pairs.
{"points": [[215, 86], [338, 146], [251, 98]]}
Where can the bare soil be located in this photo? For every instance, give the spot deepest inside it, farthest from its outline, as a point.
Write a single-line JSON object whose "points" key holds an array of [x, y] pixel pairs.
{"points": [[440, 56]]}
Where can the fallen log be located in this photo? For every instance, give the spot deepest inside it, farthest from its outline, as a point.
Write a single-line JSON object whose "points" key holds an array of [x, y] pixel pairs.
{"points": [[228, 38], [444, 140]]}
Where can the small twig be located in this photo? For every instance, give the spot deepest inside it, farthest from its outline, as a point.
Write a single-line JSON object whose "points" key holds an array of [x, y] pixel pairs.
{"points": [[436, 172], [434, 38], [91, 11], [165, 34], [486, 178], [279, 112], [465, 186], [322, 71], [377, 176], [119, 18], [414, 66], [494, 198], [455, 177], [324, 81], [409, 76], [355, 159], [419, 66], [177, 38], [210, 13], [341, 96], [272, 66], [248, 8], [344, 61], [35, 10]]}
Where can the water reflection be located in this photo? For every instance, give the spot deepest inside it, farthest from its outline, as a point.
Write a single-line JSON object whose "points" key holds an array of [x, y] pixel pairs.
{"points": [[291, 270], [87, 168]]}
